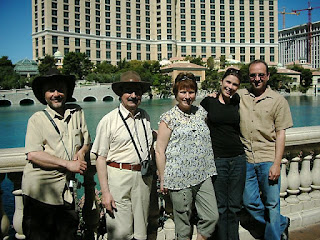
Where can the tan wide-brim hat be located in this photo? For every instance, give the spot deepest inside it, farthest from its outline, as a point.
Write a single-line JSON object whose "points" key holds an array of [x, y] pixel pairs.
{"points": [[53, 75], [129, 77]]}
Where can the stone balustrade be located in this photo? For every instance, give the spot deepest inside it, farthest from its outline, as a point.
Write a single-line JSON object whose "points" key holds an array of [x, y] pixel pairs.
{"points": [[300, 187]]}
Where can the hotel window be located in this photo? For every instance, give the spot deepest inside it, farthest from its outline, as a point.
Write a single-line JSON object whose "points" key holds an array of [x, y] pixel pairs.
{"points": [[66, 50], [223, 50], [138, 47], [193, 49], [232, 50], [54, 49], [138, 56], [97, 44], [203, 49], [118, 45], [108, 54], [118, 55], [252, 58], [128, 55], [128, 46], [77, 42], [159, 56], [66, 41], [169, 47], [242, 58], [169, 55], [183, 49], [87, 43], [98, 54], [148, 56], [54, 40], [242, 50], [271, 58]]}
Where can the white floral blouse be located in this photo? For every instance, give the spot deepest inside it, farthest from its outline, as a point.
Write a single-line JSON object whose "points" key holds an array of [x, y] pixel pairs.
{"points": [[189, 154]]}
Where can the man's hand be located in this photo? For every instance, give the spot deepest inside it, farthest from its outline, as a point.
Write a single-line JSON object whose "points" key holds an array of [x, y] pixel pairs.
{"points": [[214, 95], [108, 202], [78, 165], [274, 172]]}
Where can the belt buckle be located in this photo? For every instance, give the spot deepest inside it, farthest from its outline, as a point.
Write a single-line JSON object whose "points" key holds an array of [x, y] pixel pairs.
{"points": [[120, 166], [131, 167]]}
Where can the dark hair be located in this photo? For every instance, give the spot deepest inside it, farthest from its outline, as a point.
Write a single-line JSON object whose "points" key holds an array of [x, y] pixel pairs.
{"points": [[232, 71], [185, 80], [259, 61]]}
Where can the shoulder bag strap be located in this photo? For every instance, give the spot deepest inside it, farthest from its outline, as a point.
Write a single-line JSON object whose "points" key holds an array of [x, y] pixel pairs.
{"points": [[134, 143], [57, 129]]}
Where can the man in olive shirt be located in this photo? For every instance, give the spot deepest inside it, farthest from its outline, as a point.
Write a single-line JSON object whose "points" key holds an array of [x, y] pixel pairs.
{"points": [[124, 139], [264, 117], [57, 140]]}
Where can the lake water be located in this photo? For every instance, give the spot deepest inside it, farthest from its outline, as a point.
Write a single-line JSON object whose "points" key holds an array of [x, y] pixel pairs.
{"points": [[13, 122]]}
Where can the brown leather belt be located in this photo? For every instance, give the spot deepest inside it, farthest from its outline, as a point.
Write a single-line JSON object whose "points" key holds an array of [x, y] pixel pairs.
{"points": [[133, 167]]}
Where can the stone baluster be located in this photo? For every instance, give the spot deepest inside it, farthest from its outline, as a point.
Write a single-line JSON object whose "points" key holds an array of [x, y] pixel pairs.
{"points": [[293, 181], [169, 229], [305, 179], [316, 178], [4, 220], [18, 214], [284, 182]]}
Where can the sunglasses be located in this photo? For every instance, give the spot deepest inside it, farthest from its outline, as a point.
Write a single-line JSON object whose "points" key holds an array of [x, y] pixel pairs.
{"points": [[232, 70], [260, 75], [185, 77]]}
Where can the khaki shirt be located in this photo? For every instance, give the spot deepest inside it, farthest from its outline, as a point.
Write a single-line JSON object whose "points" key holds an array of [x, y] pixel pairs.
{"points": [[259, 122], [113, 140], [48, 185]]}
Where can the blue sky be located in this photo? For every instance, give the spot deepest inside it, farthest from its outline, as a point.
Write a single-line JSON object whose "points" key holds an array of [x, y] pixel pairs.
{"points": [[15, 27]]}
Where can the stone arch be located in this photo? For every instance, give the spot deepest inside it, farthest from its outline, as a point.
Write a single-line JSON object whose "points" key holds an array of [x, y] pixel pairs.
{"points": [[73, 99], [26, 101], [5, 103], [89, 99], [107, 99]]}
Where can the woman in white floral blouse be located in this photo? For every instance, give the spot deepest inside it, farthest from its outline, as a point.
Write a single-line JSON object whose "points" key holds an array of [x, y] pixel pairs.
{"points": [[185, 161]]}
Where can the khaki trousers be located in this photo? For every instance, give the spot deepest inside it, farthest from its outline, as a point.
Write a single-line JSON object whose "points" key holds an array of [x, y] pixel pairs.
{"points": [[131, 193]]}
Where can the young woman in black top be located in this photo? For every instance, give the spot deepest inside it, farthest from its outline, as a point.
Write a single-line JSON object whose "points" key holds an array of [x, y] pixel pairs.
{"points": [[223, 121]]}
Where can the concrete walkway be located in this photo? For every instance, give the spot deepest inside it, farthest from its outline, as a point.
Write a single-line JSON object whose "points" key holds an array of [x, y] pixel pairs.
{"points": [[307, 233]]}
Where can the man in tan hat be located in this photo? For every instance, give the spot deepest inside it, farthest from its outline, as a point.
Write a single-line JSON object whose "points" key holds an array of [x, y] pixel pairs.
{"points": [[57, 140], [123, 143]]}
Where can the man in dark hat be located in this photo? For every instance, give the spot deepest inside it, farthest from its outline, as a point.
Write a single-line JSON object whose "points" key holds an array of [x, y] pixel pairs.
{"points": [[57, 140], [123, 143]]}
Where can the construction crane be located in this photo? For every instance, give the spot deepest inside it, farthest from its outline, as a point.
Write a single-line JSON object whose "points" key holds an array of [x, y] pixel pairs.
{"points": [[309, 29], [284, 16]]}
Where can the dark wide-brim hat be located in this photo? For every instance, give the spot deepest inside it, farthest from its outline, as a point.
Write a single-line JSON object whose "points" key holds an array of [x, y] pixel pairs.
{"points": [[129, 77], [53, 75]]}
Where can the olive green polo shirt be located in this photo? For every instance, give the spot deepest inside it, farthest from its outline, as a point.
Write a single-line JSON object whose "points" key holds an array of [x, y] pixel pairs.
{"points": [[47, 185], [259, 122]]}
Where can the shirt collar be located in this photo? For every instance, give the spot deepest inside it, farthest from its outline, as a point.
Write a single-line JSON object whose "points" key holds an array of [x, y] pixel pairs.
{"points": [[126, 113], [264, 95], [68, 111]]}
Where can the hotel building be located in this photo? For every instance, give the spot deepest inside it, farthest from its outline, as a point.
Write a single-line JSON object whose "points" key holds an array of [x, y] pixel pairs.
{"points": [[111, 30], [293, 45]]}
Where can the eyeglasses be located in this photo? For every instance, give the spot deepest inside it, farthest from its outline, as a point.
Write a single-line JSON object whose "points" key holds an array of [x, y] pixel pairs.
{"points": [[260, 75]]}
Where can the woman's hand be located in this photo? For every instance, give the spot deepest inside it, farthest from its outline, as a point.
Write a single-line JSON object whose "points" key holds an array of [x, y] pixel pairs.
{"points": [[163, 190]]}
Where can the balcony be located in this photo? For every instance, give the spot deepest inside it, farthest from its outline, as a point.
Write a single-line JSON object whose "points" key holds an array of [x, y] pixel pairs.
{"points": [[300, 187]]}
